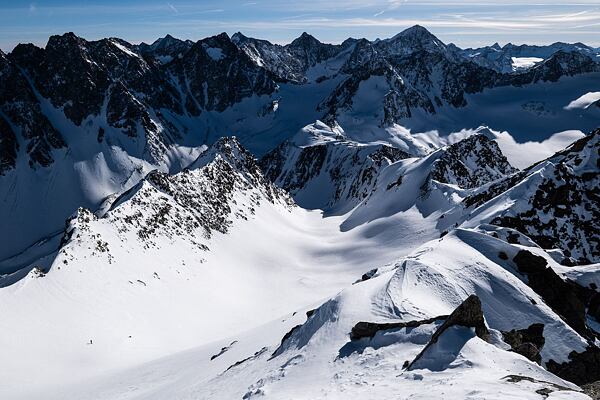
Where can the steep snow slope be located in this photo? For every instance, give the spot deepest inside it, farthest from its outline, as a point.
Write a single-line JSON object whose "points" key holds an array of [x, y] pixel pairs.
{"points": [[84, 119], [319, 360], [174, 262]]}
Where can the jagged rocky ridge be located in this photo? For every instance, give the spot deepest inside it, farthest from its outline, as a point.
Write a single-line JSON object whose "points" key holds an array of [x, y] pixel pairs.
{"points": [[555, 201], [151, 91], [192, 204], [321, 157], [321, 168]]}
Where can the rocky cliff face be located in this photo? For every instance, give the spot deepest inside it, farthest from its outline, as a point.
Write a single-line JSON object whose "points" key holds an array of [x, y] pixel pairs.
{"points": [[215, 73], [471, 163], [555, 201], [20, 112], [328, 171]]}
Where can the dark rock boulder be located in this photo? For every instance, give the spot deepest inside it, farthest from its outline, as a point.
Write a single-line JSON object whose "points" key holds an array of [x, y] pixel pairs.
{"points": [[369, 329], [468, 314], [527, 342]]}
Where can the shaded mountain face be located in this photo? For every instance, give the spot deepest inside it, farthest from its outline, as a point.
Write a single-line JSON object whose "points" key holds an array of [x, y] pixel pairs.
{"points": [[218, 74], [165, 49], [21, 116], [114, 84], [157, 93], [510, 57], [88, 119], [416, 74]]}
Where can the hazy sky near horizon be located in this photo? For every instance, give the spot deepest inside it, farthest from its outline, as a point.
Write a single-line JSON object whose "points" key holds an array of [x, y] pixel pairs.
{"points": [[467, 23]]}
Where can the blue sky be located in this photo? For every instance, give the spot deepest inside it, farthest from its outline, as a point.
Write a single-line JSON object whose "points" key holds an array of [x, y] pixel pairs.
{"points": [[464, 22]]}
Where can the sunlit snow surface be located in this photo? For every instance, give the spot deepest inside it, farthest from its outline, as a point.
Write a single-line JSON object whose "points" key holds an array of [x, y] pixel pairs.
{"points": [[584, 101], [143, 321], [524, 62], [100, 323]]}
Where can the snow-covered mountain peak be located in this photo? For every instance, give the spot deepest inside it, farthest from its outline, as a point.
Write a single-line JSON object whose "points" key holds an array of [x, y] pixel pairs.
{"points": [[166, 49], [413, 39], [416, 33], [305, 41], [238, 38], [372, 177], [223, 185], [471, 162], [322, 168]]}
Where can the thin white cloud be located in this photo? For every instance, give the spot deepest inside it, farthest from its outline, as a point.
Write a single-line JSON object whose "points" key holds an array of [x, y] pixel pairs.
{"points": [[173, 8]]}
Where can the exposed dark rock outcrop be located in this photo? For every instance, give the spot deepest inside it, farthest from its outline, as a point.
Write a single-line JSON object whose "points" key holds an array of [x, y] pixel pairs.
{"points": [[349, 169], [472, 162], [564, 297], [369, 329], [20, 111], [581, 368], [468, 314], [562, 206], [545, 391], [527, 342]]}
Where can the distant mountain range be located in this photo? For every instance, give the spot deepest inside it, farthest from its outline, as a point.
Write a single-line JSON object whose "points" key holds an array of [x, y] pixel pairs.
{"points": [[232, 218]]}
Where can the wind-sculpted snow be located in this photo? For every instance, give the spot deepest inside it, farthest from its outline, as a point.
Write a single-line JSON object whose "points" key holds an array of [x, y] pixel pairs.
{"points": [[361, 257], [319, 359]]}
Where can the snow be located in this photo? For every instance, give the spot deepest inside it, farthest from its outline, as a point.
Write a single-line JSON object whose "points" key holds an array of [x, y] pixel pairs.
{"points": [[173, 290], [164, 59], [318, 361], [125, 49], [524, 62], [215, 53], [144, 319], [584, 101], [522, 155], [157, 310]]}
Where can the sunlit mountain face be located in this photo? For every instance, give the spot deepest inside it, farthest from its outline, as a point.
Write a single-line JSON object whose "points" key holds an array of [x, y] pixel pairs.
{"points": [[235, 218]]}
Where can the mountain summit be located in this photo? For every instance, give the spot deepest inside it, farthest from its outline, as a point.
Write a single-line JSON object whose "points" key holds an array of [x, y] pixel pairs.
{"points": [[230, 218]]}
